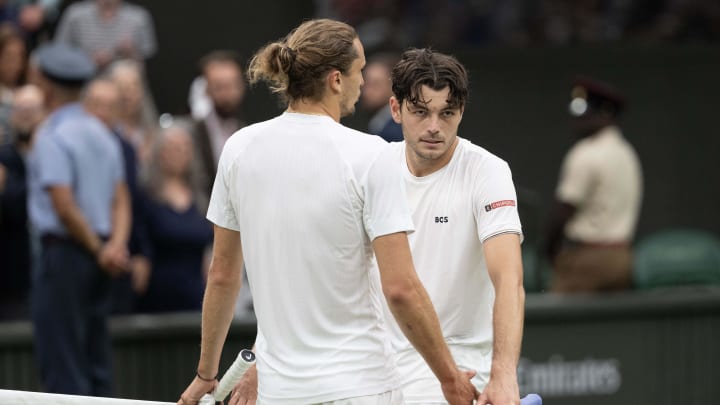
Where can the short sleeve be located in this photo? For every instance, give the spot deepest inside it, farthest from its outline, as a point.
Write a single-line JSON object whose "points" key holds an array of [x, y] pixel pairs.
{"points": [[54, 162], [220, 210], [386, 209], [575, 177], [496, 202]]}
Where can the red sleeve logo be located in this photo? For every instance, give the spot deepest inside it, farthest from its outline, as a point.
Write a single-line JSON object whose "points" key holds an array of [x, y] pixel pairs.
{"points": [[498, 204]]}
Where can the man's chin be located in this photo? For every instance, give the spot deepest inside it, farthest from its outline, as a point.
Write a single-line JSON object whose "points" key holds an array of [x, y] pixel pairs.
{"points": [[347, 111], [226, 113]]}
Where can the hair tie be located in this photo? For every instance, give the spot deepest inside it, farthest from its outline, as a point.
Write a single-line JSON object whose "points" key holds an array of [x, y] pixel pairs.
{"points": [[292, 54]]}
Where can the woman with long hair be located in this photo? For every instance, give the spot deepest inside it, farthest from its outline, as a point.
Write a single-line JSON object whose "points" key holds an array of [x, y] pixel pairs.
{"points": [[178, 233]]}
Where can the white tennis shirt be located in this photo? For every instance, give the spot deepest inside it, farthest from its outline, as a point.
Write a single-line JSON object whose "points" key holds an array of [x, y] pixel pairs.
{"points": [[308, 196], [454, 210]]}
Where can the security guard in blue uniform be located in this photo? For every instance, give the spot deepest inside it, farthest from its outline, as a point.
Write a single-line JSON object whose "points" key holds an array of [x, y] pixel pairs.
{"points": [[78, 204]]}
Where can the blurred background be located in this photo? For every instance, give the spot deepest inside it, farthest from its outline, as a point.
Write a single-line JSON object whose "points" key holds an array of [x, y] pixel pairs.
{"points": [[653, 344], [521, 57]]}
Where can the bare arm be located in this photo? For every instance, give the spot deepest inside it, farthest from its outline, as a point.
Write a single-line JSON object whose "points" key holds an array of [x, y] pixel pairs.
{"points": [[561, 213], [121, 215], [114, 256], [223, 285], [414, 312], [504, 263]]}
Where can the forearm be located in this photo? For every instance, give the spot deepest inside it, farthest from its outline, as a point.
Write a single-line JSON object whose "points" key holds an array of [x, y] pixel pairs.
{"points": [[79, 229], [508, 319], [418, 320], [410, 304], [121, 216], [560, 216], [218, 306]]}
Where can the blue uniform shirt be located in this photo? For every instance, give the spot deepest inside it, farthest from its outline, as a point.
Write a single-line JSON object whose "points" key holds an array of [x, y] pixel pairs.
{"points": [[74, 149]]}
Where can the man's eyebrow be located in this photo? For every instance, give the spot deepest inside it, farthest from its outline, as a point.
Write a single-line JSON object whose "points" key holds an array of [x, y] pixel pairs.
{"points": [[420, 103]]}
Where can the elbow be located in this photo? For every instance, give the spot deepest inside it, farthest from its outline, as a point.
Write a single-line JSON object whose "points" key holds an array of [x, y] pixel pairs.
{"points": [[399, 295], [223, 277]]}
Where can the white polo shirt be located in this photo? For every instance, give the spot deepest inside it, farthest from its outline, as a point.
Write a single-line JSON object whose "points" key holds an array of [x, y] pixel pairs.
{"points": [[602, 177], [308, 196], [454, 210]]}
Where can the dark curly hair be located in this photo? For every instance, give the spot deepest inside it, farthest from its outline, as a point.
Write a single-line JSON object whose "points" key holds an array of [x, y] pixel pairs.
{"points": [[418, 67]]}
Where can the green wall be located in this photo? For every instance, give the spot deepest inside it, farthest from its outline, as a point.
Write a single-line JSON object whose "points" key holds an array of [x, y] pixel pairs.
{"points": [[654, 347]]}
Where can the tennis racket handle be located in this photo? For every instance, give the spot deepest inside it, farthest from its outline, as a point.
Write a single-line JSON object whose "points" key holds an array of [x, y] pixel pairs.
{"points": [[244, 360], [531, 399], [207, 399]]}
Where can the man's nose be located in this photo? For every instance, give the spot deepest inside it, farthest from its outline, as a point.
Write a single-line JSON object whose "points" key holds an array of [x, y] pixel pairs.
{"points": [[433, 124]]}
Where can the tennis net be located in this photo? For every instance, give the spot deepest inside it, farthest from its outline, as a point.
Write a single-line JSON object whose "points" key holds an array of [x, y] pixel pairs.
{"points": [[10, 397]]}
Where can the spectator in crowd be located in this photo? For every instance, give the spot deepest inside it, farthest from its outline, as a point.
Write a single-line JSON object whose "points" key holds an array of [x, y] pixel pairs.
{"points": [[225, 88], [36, 19], [102, 99], [375, 97], [598, 196], [15, 245], [79, 205], [109, 30], [10, 12], [12, 69], [138, 121], [673, 20], [178, 233]]}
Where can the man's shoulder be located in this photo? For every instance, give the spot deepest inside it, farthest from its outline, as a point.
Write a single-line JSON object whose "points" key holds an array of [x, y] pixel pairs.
{"points": [[474, 155], [81, 9], [79, 118], [365, 139], [589, 150], [242, 137], [133, 10]]}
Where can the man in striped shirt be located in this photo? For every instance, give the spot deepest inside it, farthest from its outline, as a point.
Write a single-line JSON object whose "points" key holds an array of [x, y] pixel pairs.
{"points": [[108, 30]]}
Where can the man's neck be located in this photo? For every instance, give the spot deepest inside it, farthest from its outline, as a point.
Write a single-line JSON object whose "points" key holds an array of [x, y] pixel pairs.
{"points": [[23, 147], [321, 107], [56, 103], [108, 11]]}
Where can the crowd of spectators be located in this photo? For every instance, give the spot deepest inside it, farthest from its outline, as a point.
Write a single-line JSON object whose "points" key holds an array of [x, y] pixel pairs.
{"points": [[450, 24], [170, 163], [166, 161]]}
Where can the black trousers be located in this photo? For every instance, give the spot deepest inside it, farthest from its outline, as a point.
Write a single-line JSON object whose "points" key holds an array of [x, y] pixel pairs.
{"points": [[70, 307]]}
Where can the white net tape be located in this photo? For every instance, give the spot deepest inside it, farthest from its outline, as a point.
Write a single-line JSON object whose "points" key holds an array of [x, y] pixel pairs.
{"points": [[244, 360], [9, 397]]}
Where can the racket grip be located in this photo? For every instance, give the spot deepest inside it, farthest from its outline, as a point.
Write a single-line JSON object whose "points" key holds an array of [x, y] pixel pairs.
{"points": [[207, 399], [244, 360]]}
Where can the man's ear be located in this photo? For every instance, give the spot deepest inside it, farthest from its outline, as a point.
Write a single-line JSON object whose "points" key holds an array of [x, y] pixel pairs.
{"points": [[395, 110], [334, 80]]}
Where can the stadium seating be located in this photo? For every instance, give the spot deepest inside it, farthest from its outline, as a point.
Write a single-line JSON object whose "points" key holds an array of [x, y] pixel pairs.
{"points": [[677, 257]]}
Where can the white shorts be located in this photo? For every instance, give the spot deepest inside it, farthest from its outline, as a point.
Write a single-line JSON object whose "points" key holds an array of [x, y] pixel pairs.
{"points": [[387, 398]]}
